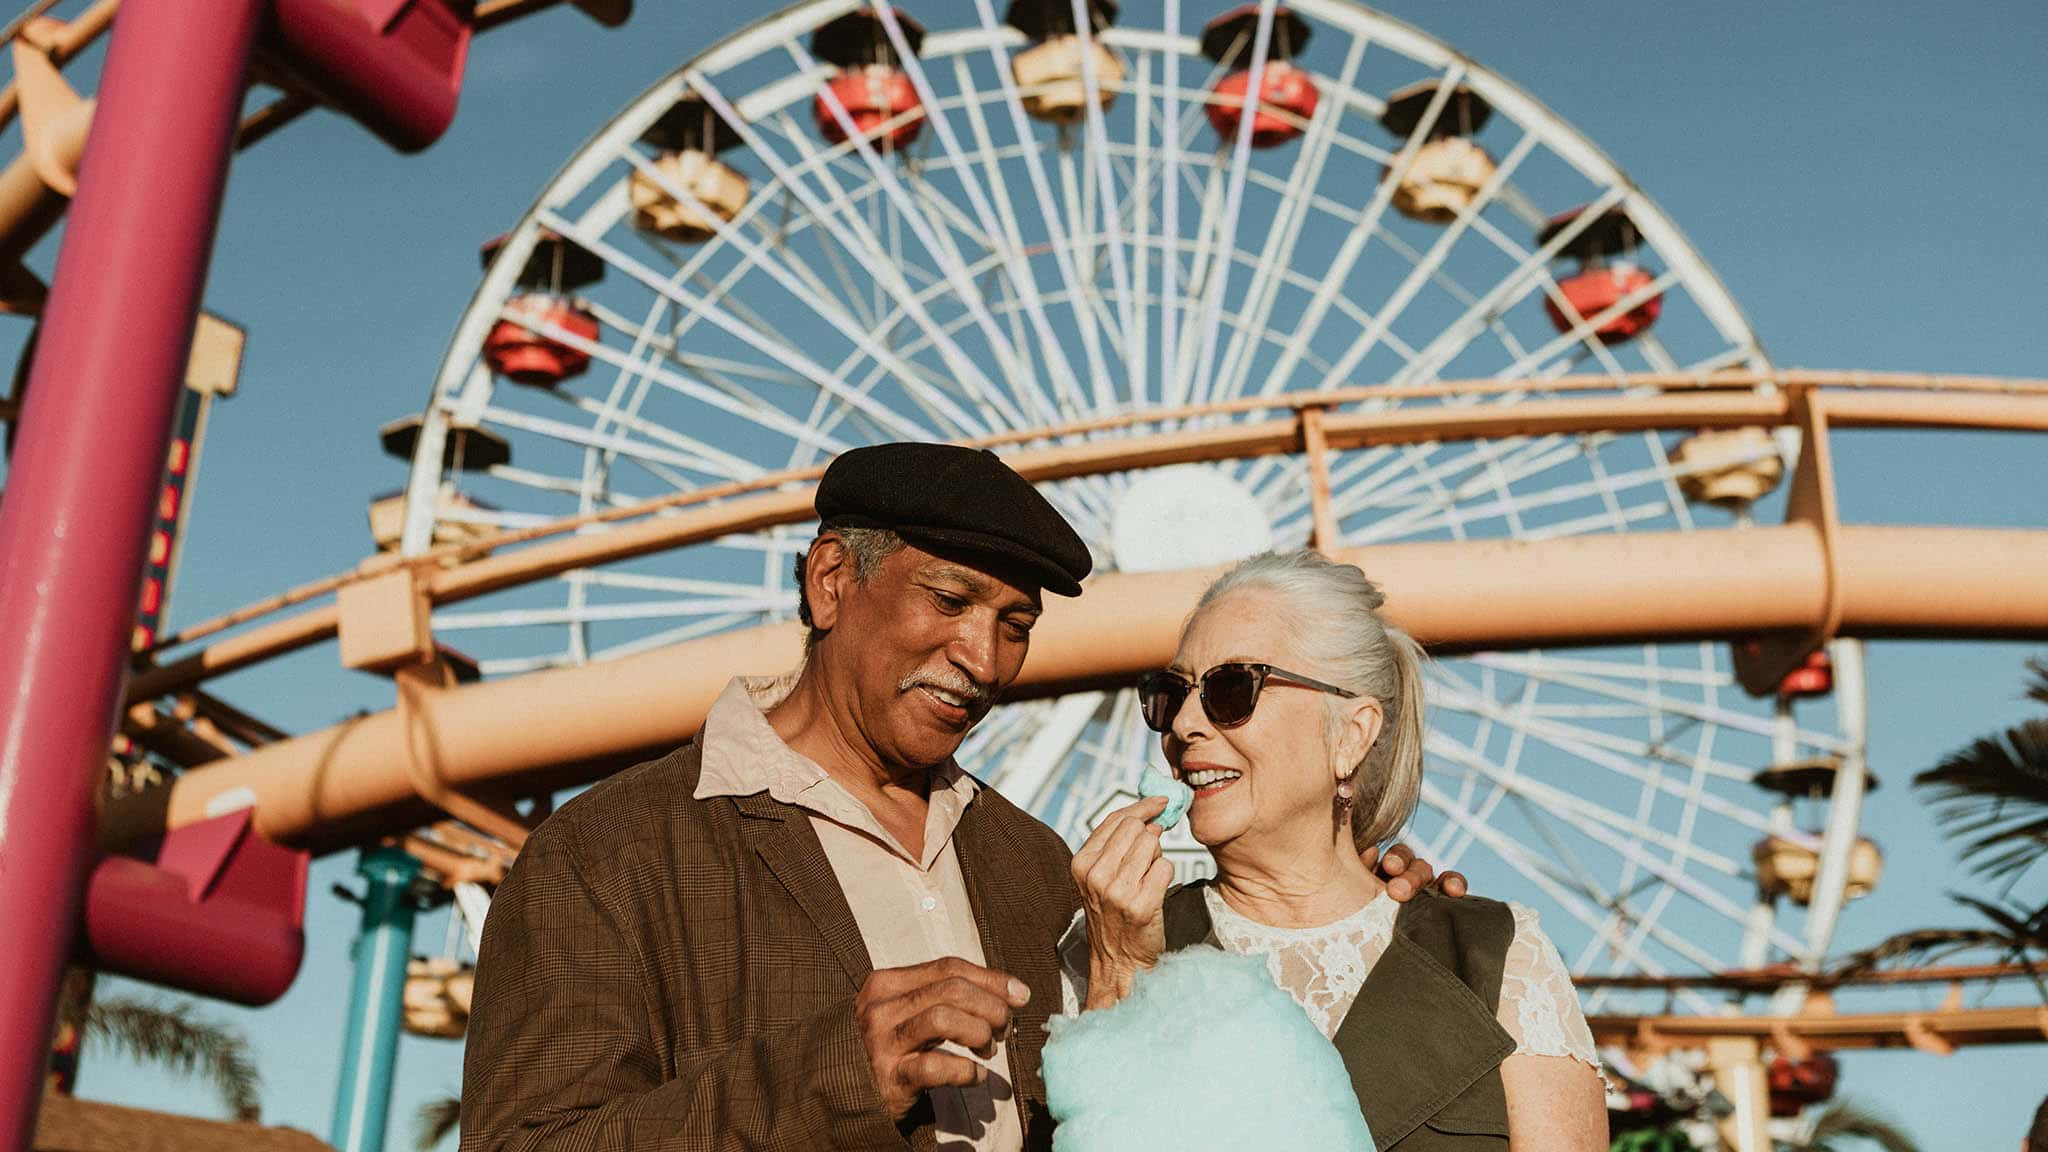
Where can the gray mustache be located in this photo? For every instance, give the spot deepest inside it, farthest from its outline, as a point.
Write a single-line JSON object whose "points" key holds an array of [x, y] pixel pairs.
{"points": [[956, 685]]}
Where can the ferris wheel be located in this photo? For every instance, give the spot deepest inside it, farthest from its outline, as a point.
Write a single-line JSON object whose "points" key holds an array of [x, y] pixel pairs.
{"points": [[1072, 222]]}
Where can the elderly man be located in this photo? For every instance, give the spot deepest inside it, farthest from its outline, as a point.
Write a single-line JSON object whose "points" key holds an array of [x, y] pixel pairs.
{"points": [[808, 928]]}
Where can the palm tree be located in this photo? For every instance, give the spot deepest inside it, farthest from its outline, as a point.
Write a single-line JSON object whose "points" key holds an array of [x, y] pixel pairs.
{"points": [[2019, 936], [1996, 792], [436, 1120], [1844, 1121], [172, 1036]]}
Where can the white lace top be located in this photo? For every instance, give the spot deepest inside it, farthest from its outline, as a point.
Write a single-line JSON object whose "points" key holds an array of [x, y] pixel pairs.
{"points": [[1324, 967]]}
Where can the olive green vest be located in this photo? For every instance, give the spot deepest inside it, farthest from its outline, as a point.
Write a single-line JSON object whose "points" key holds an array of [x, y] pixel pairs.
{"points": [[1420, 1041]]}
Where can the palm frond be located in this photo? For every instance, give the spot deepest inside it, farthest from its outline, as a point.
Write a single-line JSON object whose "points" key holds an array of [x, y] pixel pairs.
{"points": [[1921, 946], [2037, 691], [437, 1118], [2025, 927], [2017, 935], [1848, 1119], [1995, 793], [172, 1036]]}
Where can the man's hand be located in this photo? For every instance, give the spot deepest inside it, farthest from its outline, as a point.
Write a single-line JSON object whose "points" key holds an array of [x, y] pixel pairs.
{"points": [[1406, 874], [906, 1013]]}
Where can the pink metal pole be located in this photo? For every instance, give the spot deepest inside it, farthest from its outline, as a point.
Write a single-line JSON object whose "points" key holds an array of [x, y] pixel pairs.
{"points": [[83, 481]]}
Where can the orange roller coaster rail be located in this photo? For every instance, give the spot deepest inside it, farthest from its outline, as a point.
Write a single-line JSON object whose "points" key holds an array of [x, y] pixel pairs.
{"points": [[1807, 579]]}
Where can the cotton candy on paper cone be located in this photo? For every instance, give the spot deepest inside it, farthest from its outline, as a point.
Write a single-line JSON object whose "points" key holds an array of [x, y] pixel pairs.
{"points": [[1206, 1053]]}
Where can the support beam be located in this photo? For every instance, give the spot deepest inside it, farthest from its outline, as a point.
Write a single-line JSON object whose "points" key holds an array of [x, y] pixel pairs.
{"points": [[83, 483], [785, 498], [512, 737], [369, 1057], [2024, 1024]]}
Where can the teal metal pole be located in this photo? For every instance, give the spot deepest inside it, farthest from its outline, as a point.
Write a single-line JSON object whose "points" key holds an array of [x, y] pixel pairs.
{"points": [[362, 1103]]}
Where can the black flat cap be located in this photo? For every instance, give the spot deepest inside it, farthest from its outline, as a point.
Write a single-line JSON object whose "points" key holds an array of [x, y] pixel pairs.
{"points": [[947, 498]]}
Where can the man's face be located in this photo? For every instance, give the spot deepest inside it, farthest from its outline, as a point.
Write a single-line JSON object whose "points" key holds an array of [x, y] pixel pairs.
{"points": [[923, 650]]}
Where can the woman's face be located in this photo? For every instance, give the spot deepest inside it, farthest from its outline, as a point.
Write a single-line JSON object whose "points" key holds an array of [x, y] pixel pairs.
{"points": [[1269, 782]]}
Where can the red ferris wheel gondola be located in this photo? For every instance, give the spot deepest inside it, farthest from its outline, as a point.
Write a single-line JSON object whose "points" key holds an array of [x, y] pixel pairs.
{"points": [[878, 97], [1287, 95], [520, 347], [1607, 275]]}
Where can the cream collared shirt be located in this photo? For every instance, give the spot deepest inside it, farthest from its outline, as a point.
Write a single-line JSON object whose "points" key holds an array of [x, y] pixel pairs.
{"points": [[910, 909]]}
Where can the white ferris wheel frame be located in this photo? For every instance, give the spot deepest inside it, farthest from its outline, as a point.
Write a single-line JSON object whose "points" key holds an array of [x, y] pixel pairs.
{"points": [[1215, 369]]}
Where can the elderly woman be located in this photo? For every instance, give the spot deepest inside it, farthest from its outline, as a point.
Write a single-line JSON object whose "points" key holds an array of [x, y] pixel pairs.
{"points": [[1294, 711]]}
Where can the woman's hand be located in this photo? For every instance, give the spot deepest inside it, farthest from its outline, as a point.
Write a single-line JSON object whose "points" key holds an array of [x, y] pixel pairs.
{"points": [[1123, 878]]}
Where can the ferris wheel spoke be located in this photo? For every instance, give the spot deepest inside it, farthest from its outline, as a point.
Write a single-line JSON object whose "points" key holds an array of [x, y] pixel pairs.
{"points": [[783, 237], [709, 626], [1465, 467], [1511, 506], [1018, 277], [648, 456], [715, 461], [1654, 353], [1599, 828], [730, 398], [872, 254], [998, 222], [1098, 162], [1085, 321], [1028, 770], [1530, 271], [628, 390], [1587, 676], [725, 367], [1588, 908], [1620, 755], [1620, 915], [967, 292], [1609, 486], [901, 282], [789, 356], [847, 297], [1499, 464], [744, 606], [1339, 272], [1233, 202], [544, 482], [1428, 266], [807, 287], [1616, 831], [679, 585], [1209, 193], [1171, 173], [1425, 497], [1285, 233]]}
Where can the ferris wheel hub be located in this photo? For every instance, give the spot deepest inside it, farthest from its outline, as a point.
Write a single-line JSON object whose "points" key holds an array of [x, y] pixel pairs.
{"points": [[1187, 516]]}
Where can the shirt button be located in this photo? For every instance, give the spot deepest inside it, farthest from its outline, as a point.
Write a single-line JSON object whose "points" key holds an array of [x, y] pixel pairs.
{"points": [[930, 902]]}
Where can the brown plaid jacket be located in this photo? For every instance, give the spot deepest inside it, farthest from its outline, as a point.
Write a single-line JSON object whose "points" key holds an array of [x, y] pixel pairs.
{"points": [[663, 973]]}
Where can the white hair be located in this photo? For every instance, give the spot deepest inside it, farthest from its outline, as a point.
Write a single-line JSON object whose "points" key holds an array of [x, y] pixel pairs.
{"points": [[1334, 623]]}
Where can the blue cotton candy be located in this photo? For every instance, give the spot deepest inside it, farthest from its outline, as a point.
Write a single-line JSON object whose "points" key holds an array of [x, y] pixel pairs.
{"points": [[1206, 1053], [1152, 782]]}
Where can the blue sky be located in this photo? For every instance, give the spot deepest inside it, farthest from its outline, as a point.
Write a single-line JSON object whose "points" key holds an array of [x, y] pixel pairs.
{"points": [[1866, 180]]}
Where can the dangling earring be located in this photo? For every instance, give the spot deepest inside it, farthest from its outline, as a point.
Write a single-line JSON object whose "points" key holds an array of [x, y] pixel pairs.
{"points": [[1342, 803]]}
